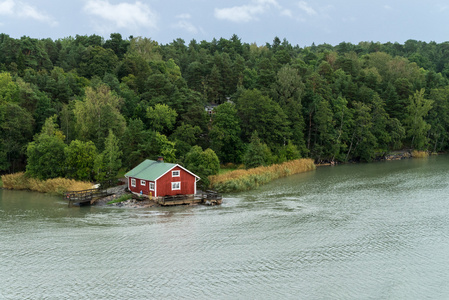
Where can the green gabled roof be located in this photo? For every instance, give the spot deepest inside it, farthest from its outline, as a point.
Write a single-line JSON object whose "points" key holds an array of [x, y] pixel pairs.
{"points": [[150, 170]]}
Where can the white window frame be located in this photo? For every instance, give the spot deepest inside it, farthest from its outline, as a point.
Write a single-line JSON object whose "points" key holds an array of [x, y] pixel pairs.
{"points": [[176, 186], [151, 186], [142, 182], [133, 182], [175, 172]]}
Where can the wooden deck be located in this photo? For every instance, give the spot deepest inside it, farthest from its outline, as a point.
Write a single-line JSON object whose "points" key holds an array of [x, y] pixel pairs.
{"points": [[208, 198], [84, 197]]}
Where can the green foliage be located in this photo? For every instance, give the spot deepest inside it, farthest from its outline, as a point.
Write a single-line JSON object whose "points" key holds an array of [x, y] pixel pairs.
{"points": [[133, 143], [9, 91], [108, 163], [255, 153], [225, 133], [332, 103], [97, 61], [261, 113], [417, 127], [185, 136], [162, 118], [47, 153], [80, 160], [202, 163], [291, 151], [166, 148], [97, 114], [16, 129]]}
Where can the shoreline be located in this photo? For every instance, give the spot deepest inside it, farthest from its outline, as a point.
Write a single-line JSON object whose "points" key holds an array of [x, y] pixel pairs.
{"points": [[390, 156], [118, 191]]}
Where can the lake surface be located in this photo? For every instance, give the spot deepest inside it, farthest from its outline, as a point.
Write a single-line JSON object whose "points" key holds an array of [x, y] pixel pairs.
{"points": [[365, 231]]}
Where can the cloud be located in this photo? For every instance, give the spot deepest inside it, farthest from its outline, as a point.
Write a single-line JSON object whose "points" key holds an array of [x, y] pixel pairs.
{"points": [[287, 13], [306, 8], [25, 11], [245, 13], [7, 7], [185, 24], [442, 8], [122, 15]]}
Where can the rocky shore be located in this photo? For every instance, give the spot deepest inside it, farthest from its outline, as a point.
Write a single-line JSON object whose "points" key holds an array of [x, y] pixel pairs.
{"points": [[398, 155], [117, 192]]}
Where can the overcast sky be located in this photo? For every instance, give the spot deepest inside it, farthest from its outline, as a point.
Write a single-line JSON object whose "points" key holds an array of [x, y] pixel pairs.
{"points": [[300, 22]]}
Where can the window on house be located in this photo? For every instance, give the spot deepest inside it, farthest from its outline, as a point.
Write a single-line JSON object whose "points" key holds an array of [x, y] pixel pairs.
{"points": [[133, 182], [175, 186], [151, 186], [142, 182], [175, 174]]}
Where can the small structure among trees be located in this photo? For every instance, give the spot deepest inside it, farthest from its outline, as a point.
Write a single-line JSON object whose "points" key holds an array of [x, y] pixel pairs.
{"points": [[159, 179]]}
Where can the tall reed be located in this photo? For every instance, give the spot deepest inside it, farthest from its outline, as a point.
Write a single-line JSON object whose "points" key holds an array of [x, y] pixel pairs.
{"points": [[419, 154], [241, 180], [20, 181]]}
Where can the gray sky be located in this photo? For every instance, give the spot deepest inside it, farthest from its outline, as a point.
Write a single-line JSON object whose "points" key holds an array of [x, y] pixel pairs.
{"points": [[300, 22]]}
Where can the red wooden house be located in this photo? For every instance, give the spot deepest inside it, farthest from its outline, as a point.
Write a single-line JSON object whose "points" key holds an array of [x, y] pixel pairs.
{"points": [[158, 179]]}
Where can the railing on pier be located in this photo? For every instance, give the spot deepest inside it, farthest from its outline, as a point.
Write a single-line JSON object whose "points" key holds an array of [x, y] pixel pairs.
{"points": [[84, 196], [207, 197]]}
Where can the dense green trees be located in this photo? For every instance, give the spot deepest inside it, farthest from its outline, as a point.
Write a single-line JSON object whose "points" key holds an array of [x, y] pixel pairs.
{"points": [[225, 133], [80, 160], [418, 128], [96, 105], [96, 114], [202, 163], [46, 154]]}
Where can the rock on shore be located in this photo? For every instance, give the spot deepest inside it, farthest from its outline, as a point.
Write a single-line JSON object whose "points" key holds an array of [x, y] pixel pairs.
{"points": [[117, 192]]}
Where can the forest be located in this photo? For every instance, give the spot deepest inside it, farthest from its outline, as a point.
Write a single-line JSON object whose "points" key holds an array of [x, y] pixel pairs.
{"points": [[84, 107]]}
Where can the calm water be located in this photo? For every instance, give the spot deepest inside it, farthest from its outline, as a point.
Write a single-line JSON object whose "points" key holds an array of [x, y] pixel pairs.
{"points": [[367, 231]]}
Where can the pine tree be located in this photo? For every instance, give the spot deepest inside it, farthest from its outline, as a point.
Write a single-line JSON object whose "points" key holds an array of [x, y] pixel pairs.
{"points": [[254, 156]]}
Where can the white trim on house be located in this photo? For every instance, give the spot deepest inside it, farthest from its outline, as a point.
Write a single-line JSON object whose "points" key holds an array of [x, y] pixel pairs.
{"points": [[181, 168], [176, 186], [151, 186], [175, 173], [142, 182], [133, 182]]}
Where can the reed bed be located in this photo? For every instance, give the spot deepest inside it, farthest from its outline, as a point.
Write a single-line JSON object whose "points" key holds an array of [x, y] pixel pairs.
{"points": [[241, 180], [20, 181], [419, 154]]}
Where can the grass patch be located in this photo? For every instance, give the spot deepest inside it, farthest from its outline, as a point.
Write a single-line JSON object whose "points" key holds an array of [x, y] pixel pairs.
{"points": [[419, 154], [20, 181], [120, 199], [241, 180], [1, 183]]}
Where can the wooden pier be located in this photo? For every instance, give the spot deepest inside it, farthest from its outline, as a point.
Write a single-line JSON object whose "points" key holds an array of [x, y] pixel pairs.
{"points": [[84, 197], [207, 198]]}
